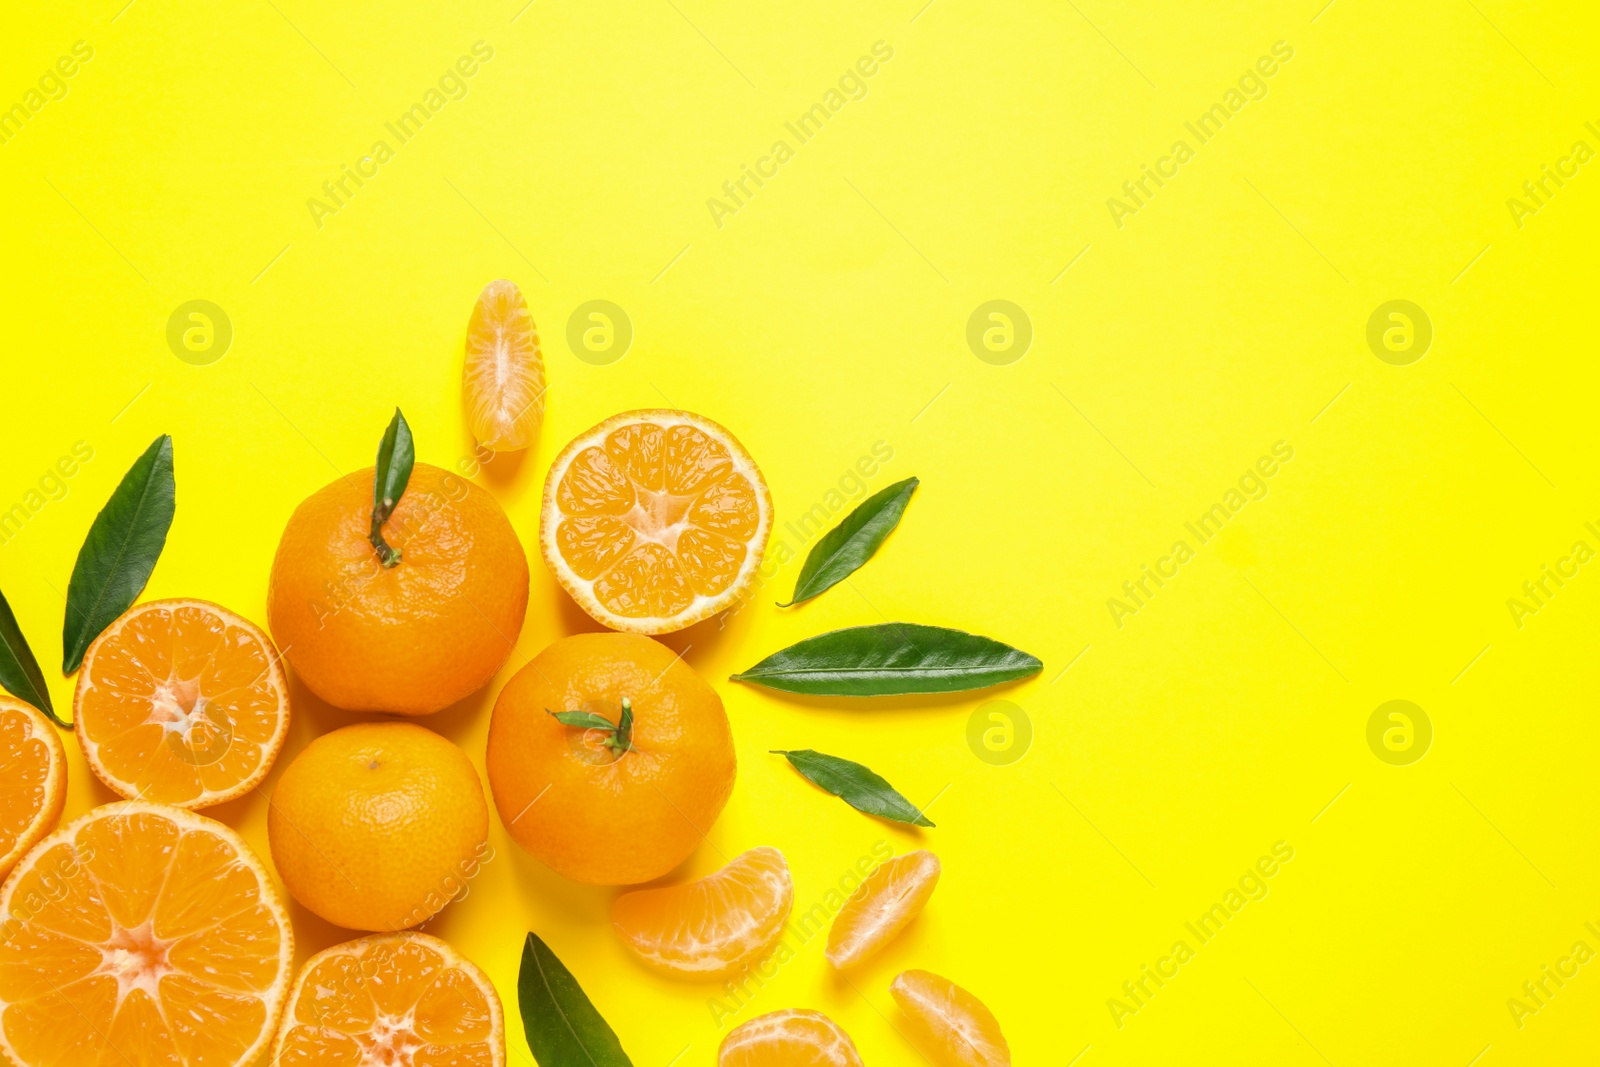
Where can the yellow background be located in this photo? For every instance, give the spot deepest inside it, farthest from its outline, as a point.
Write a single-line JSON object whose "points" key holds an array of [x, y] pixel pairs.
{"points": [[829, 313]]}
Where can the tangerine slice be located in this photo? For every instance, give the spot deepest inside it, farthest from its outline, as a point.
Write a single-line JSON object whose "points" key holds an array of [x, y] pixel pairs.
{"points": [[711, 927], [654, 520], [885, 903], [502, 380], [948, 1023], [795, 1037], [141, 934], [181, 702], [33, 779], [403, 999]]}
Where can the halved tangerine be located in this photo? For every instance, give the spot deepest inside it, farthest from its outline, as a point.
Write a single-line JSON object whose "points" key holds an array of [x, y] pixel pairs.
{"points": [[33, 779], [949, 1024], [502, 381], [141, 934], [886, 902], [795, 1037], [181, 702], [655, 520], [713, 926], [402, 999]]}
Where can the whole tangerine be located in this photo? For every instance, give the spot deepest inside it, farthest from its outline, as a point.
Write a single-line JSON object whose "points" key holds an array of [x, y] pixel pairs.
{"points": [[627, 786], [414, 637]]}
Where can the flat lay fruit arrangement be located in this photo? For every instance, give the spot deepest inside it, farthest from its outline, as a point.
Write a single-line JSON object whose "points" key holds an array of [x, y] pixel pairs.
{"points": [[146, 932]]}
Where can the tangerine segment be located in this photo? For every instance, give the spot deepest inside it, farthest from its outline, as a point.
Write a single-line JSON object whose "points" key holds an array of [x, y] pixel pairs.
{"points": [[655, 520], [181, 702], [33, 779], [710, 927], [795, 1037], [404, 999], [502, 381], [885, 903], [948, 1023], [141, 934]]}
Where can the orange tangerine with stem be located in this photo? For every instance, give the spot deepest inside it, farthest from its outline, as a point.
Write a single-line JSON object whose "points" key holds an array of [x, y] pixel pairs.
{"points": [[881, 907], [33, 779], [795, 1037], [502, 380], [181, 702], [949, 1024], [711, 927]]}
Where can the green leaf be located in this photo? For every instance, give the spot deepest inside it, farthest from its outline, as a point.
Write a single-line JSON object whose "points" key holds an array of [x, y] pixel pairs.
{"points": [[851, 543], [891, 659], [586, 720], [396, 456], [854, 784], [121, 550], [19, 670], [619, 734], [563, 1028]]}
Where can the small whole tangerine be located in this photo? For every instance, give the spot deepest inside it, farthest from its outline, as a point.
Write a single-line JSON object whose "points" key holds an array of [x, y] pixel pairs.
{"points": [[626, 790]]}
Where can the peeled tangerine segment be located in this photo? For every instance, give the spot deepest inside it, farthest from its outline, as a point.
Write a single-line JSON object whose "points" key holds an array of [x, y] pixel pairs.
{"points": [[885, 904], [950, 1025], [796, 1037], [713, 926], [502, 381], [404, 999], [141, 934]]}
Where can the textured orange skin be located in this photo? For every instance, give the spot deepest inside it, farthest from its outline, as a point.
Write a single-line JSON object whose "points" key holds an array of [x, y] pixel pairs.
{"points": [[377, 826], [606, 822], [410, 639]]}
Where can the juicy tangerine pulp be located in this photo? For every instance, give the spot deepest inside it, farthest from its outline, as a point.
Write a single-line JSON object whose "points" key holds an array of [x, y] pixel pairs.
{"points": [[503, 380], [140, 934], [181, 702], [664, 514], [795, 1037], [405, 999], [885, 904], [950, 1023], [713, 926], [33, 779]]}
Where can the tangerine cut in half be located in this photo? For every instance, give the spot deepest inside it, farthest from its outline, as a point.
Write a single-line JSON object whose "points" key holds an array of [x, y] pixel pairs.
{"points": [[502, 380], [655, 520], [141, 934], [949, 1024], [181, 702], [33, 779], [404, 999], [711, 927], [886, 902], [795, 1037]]}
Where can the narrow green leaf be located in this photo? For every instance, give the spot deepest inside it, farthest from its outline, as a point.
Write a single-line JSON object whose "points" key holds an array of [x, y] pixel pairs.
{"points": [[891, 659], [396, 456], [858, 786], [563, 1028], [586, 720], [19, 670], [848, 545], [121, 550]]}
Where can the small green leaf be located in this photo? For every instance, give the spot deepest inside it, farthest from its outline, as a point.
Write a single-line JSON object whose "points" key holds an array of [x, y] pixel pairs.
{"points": [[121, 550], [19, 670], [396, 456], [857, 786], [848, 545], [585, 720], [562, 1026], [890, 659], [619, 734]]}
